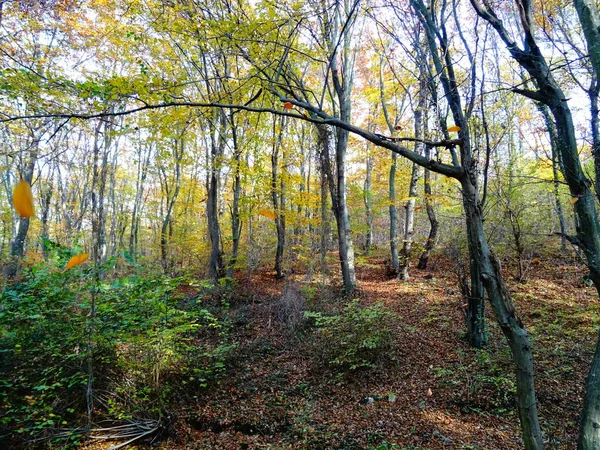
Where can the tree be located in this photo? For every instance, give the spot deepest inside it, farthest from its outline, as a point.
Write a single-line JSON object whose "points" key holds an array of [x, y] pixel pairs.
{"points": [[549, 92]]}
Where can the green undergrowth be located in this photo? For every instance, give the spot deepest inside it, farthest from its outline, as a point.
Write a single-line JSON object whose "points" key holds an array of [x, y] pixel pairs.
{"points": [[357, 338], [143, 348]]}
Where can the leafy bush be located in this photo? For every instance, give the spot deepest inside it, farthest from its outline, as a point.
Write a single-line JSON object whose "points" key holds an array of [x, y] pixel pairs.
{"points": [[142, 344], [357, 338]]}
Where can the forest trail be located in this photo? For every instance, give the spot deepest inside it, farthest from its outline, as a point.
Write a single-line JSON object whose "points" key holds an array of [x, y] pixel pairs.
{"points": [[445, 394]]}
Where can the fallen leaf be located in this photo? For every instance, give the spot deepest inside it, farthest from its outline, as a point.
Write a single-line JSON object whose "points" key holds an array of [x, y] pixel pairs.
{"points": [[574, 200], [76, 260], [268, 214], [429, 392], [453, 129], [23, 199]]}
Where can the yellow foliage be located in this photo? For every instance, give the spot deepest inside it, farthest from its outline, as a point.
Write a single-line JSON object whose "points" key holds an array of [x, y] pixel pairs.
{"points": [[76, 260], [268, 214], [23, 199]]}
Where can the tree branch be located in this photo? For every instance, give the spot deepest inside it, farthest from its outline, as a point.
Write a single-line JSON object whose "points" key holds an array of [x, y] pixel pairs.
{"points": [[316, 116]]}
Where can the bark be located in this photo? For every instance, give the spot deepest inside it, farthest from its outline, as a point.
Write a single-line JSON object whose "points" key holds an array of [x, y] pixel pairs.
{"points": [[510, 324], [46, 200], [346, 249], [215, 268], [171, 194], [17, 247], [236, 224], [305, 181], [324, 223], [143, 164], [393, 216], [437, 43], [278, 197], [433, 222], [391, 182], [101, 150], [342, 78], [588, 229], [409, 220], [116, 218], [589, 17], [555, 178], [367, 201]]}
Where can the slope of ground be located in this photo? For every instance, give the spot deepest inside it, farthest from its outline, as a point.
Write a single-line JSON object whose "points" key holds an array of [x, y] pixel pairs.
{"points": [[444, 394]]}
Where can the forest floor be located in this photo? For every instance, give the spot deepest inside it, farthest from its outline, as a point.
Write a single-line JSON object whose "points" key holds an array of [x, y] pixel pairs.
{"points": [[444, 394]]}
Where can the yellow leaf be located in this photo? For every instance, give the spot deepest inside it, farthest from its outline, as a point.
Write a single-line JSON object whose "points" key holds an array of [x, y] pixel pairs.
{"points": [[268, 214], [574, 200], [76, 260], [454, 128], [23, 199]]}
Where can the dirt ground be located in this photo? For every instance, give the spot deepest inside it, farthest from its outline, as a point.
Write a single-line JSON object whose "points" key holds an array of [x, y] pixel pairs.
{"points": [[437, 393]]}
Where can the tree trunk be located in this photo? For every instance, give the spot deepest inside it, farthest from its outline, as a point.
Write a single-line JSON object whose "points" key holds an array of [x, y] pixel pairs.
{"points": [[556, 165], [438, 46], [17, 247], [587, 226], [324, 223], [501, 302], [589, 17], [367, 201], [391, 181], [433, 222], [171, 193], [215, 267], [409, 221], [278, 198], [236, 227], [346, 249], [100, 164], [143, 164], [393, 216], [46, 200], [342, 78]]}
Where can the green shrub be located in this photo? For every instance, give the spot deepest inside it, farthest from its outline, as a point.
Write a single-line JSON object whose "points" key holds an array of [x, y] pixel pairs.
{"points": [[357, 338], [145, 346]]}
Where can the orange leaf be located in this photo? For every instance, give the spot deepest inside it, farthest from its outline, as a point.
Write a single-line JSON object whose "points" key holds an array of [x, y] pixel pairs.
{"points": [[453, 128], [288, 105], [418, 208], [23, 199], [574, 200], [268, 214], [76, 260]]}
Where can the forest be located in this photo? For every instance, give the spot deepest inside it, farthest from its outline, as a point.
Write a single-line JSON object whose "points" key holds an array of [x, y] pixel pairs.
{"points": [[318, 224]]}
